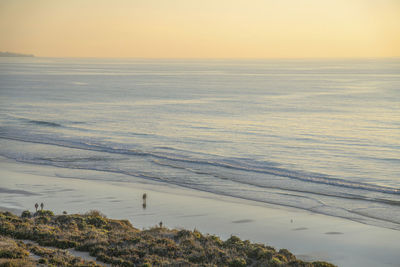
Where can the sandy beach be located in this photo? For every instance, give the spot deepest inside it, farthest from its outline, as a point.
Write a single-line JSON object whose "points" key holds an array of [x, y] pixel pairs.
{"points": [[309, 236]]}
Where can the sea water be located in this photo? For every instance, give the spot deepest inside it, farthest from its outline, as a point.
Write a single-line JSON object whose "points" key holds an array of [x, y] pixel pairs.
{"points": [[319, 135]]}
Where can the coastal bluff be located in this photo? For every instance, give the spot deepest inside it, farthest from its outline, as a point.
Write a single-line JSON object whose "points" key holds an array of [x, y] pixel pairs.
{"points": [[11, 54], [45, 239]]}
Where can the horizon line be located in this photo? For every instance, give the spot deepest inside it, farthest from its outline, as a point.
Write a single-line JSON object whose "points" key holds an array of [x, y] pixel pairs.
{"points": [[214, 58]]}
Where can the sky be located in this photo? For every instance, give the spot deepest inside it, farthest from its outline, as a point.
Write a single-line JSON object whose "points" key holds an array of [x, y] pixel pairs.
{"points": [[201, 28]]}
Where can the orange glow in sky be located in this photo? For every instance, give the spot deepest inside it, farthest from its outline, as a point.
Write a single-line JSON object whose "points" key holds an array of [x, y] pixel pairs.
{"points": [[201, 29]]}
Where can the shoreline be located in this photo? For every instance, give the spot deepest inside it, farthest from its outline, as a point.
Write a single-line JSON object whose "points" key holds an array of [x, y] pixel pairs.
{"points": [[350, 211], [308, 235]]}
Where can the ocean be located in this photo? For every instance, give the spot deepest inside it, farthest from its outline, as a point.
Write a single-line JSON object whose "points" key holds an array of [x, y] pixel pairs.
{"points": [[318, 135]]}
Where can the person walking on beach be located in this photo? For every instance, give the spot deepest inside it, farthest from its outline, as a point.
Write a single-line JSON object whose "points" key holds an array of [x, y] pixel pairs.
{"points": [[144, 197]]}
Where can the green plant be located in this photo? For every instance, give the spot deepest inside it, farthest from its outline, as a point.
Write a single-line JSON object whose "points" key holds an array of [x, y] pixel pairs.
{"points": [[26, 214], [238, 262], [44, 213]]}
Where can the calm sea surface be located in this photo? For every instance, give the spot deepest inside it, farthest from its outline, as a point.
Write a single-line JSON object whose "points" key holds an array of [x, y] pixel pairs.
{"points": [[320, 135]]}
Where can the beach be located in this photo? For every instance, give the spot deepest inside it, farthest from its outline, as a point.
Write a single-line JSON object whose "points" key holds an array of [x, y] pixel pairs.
{"points": [[308, 235]]}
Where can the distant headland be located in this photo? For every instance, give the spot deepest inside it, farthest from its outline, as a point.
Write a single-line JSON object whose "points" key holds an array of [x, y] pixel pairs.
{"points": [[11, 54]]}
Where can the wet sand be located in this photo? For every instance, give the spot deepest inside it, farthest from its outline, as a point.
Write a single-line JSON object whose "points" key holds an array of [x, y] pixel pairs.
{"points": [[310, 236]]}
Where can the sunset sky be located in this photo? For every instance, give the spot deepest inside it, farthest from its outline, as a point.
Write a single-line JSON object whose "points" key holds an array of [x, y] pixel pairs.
{"points": [[201, 28]]}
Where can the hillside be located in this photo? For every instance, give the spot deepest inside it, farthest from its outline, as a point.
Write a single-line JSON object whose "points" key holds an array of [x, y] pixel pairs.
{"points": [[118, 243]]}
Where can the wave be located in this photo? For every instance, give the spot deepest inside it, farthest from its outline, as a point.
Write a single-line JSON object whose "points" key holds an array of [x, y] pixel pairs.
{"points": [[291, 189], [291, 198], [309, 177], [43, 123], [320, 199], [176, 161]]}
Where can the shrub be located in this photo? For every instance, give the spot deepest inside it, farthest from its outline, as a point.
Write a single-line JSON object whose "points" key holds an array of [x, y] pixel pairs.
{"points": [[197, 257], [43, 220], [289, 256], [96, 221], [261, 253], [13, 253], [6, 228], [197, 234], [17, 263], [10, 249], [275, 262], [216, 240], [26, 214], [46, 213], [238, 262], [95, 213], [234, 242], [322, 264], [64, 244], [43, 261], [183, 233]]}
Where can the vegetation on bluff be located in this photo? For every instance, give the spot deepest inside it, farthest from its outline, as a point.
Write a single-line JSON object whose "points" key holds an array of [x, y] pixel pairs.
{"points": [[118, 243]]}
